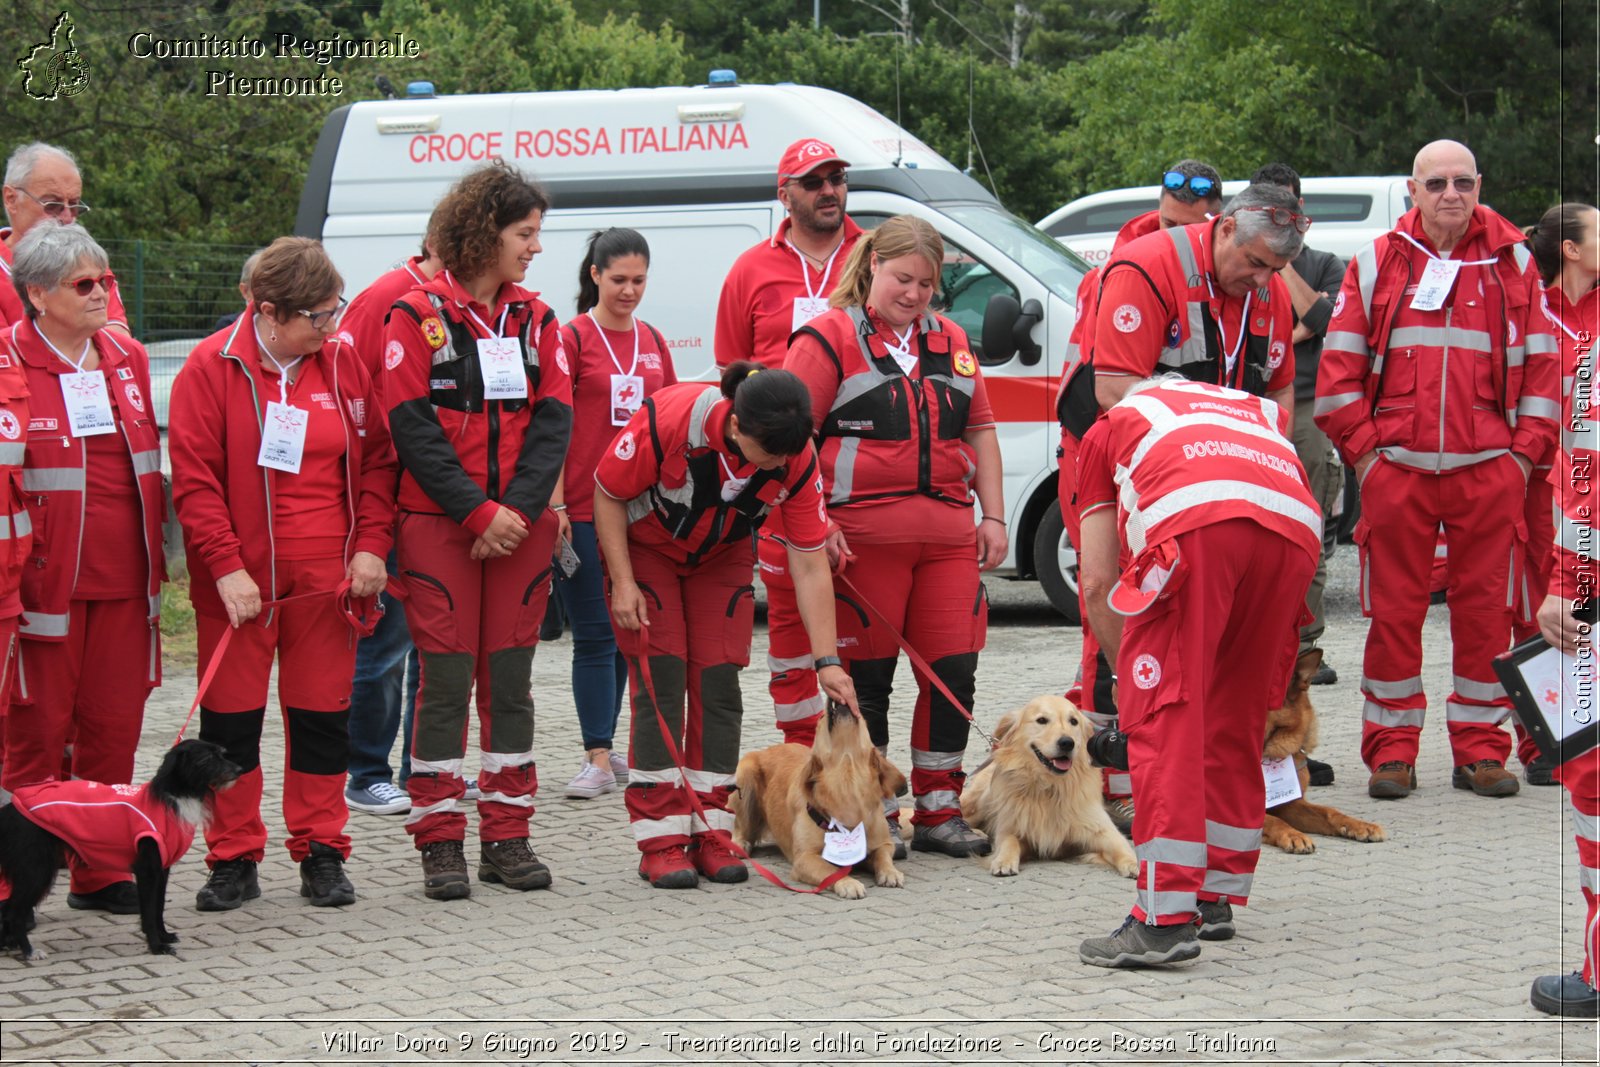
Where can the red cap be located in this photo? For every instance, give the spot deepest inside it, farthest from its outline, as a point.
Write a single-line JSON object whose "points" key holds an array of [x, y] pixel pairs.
{"points": [[805, 156], [1154, 575]]}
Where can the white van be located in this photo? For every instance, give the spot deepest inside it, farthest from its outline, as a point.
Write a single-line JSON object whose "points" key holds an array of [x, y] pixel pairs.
{"points": [[1347, 214], [694, 170]]}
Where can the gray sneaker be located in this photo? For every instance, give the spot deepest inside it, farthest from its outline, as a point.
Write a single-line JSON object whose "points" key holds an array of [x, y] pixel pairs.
{"points": [[1216, 920], [953, 837], [590, 782], [896, 838], [1137, 944], [473, 793], [1121, 811], [619, 767], [379, 798]]}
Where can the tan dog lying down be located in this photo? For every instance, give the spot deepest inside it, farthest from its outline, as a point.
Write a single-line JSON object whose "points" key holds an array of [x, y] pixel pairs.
{"points": [[792, 793], [1039, 795]]}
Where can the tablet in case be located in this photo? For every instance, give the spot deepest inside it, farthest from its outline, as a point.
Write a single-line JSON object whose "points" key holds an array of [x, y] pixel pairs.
{"points": [[1554, 697]]}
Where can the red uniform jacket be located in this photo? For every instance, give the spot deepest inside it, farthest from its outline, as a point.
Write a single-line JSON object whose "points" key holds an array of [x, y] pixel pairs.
{"points": [[54, 480], [755, 314], [1440, 390], [16, 525], [462, 455], [362, 325], [224, 497]]}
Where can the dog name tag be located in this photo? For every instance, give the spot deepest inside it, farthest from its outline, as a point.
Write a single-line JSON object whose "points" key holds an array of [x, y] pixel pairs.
{"points": [[283, 437], [1283, 781], [844, 848], [501, 363], [627, 395], [1437, 278], [88, 404], [807, 308]]}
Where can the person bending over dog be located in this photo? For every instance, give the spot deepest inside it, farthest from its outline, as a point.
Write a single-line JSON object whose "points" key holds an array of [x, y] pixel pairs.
{"points": [[1212, 508]]}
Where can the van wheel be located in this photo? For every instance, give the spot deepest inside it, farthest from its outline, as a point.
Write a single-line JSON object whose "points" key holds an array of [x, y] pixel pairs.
{"points": [[1055, 560]]}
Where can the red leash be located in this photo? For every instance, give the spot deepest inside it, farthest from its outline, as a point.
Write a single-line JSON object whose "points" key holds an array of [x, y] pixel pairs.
{"points": [[340, 591], [917, 661], [694, 798]]}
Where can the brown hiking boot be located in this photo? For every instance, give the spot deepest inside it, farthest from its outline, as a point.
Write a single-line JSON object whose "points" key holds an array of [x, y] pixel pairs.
{"points": [[444, 871], [1392, 780], [513, 863], [1487, 778]]}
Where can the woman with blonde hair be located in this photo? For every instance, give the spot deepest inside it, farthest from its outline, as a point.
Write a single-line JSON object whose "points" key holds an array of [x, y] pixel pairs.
{"points": [[907, 444]]}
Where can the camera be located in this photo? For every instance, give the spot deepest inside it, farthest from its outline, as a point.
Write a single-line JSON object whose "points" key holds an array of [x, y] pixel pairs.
{"points": [[1109, 748]]}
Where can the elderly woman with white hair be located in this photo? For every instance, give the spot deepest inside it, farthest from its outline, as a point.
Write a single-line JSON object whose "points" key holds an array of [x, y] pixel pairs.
{"points": [[90, 648]]}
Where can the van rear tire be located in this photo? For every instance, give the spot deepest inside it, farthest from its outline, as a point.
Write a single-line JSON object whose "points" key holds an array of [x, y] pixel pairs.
{"points": [[1055, 561]]}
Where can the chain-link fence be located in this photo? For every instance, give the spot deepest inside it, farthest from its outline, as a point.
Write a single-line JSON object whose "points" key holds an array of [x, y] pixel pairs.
{"points": [[175, 292]]}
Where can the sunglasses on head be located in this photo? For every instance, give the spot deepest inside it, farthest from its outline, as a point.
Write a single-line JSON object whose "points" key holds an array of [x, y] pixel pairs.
{"points": [[1282, 216], [812, 182], [1464, 183], [323, 319], [85, 286], [56, 208], [1198, 184]]}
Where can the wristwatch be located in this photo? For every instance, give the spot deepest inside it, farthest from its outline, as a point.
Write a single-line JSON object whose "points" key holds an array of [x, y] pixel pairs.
{"points": [[827, 661]]}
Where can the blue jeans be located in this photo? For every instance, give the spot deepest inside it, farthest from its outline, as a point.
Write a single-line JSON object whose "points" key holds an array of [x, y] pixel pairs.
{"points": [[375, 709], [599, 673]]}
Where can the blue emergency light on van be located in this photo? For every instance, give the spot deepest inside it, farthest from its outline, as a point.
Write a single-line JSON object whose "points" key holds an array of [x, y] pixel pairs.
{"points": [[419, 90], [722, 76]]}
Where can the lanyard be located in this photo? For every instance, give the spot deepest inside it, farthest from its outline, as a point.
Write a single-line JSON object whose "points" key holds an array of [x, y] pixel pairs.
{"points": [[1244, 330], [1433, 255], [903, 340], [77, 365], [615, 362], [805, 269], [283, 368], [484, 326], [1553, 317]]}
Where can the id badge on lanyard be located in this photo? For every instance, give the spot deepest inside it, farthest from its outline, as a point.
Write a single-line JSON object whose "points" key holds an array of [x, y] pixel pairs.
{"points": [[500, 360], [1437, 279], [815, 302], [627, 396], [88, 404], [283, 437], [806, 308]]}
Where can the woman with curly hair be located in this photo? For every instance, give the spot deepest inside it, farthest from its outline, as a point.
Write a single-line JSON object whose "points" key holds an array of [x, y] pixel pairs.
{"points": [[480, 407]]}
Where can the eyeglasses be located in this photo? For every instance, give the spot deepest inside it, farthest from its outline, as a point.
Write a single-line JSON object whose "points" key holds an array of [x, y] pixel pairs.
{"points": [[1464, 183], [323, 320], [85, 286], [812, 182], [1282, 216], [1198, 184], [56, 208]]}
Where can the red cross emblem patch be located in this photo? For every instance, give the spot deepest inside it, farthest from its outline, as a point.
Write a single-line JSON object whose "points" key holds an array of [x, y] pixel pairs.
{"points": [[1146, 671]]}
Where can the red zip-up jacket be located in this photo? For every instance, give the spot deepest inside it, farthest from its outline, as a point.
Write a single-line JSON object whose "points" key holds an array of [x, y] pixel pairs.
{"points": [[54, 481], [224, 498]]}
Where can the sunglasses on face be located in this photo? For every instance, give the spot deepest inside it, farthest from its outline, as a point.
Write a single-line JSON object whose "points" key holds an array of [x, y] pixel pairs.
{"points": [[1201, 186], [56, 208], [85, 286], [812, 182], [1282, 216], [1464, 183], [324, 320]]}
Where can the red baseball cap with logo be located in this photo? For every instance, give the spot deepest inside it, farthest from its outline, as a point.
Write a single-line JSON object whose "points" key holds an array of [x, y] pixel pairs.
{"points": [[805, 156]]}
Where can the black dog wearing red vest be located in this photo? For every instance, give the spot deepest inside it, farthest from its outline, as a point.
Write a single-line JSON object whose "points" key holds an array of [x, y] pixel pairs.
{"points": [[142, 830]]}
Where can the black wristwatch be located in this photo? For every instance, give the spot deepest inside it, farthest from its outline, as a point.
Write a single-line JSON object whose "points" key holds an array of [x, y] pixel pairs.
{"points": [[827, 661]]}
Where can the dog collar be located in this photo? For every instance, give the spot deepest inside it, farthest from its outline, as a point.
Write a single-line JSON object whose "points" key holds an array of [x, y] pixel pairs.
{"points": [[817, 817]]}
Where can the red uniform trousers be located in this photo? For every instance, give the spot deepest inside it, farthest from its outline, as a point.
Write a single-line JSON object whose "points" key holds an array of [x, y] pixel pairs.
{"points": [[1401, 511], [932, 595], [796, 697], [1091, 688], [1539, 515], [701, 618], [8, 669], [1581, 777], [473, 622], [1197, 675], [78, 692], [316, 652]]}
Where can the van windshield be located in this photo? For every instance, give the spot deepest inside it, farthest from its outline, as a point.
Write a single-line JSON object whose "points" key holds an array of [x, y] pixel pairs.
{"points": [[1050, 262]]}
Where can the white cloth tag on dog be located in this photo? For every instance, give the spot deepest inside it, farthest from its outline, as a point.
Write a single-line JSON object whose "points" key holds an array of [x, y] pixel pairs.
{"points": [[1283, 781], [844, 848]]}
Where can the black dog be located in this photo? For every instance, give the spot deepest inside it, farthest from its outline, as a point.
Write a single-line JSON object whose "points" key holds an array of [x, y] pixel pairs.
{"points": [[116, 827]]}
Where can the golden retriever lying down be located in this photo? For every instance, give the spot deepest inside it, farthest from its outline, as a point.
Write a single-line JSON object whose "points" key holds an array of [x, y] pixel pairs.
{"points": [[1292, 731], [793, 793], [1039, 794]]}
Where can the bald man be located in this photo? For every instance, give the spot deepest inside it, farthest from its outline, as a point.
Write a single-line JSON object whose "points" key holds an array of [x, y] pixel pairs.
{"points": [[1439, 384]]}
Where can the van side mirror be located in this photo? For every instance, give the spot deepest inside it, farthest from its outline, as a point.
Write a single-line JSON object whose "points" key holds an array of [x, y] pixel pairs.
{"points": [[1008, 329]]}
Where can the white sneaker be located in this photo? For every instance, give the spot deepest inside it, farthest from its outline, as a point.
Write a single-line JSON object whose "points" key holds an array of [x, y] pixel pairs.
{"points": [[590, 782], [473, 793], [379, 798], [619, 767]]}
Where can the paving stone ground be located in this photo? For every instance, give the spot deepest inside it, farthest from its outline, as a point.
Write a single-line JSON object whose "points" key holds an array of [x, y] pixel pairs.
{"points": [[1417, 950]]}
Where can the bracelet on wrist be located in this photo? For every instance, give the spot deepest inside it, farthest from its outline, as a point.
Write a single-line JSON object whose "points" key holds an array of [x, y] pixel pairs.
{"points": [[992, 518], [558, 507], [819, 662]]}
